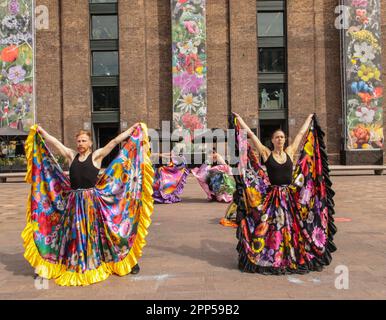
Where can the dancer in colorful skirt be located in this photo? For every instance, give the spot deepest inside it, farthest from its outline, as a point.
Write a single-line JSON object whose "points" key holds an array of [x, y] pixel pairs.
{"points": [[170, 179], [285, 217], [230, 218], [216, 180], [84, 228]]}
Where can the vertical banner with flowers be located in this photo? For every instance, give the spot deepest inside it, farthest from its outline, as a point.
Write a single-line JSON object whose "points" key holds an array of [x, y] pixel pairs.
{"points": [[17, 67], [363, 93], [189, 64]]}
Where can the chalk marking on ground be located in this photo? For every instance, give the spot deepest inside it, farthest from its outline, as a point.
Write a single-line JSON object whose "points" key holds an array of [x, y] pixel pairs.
{"points": [[295, 280]]}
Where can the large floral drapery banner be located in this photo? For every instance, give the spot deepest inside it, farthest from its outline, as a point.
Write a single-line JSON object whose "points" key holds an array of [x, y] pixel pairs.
{"points": [[17, 67], [362, 71], [189, 64]]}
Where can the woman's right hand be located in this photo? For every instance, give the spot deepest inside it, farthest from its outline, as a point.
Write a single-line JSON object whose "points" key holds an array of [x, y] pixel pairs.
{"points": [[241, 121], [40, 130]]}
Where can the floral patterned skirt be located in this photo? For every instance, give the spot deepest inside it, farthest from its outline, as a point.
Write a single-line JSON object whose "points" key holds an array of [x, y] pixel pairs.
{"points": [[80, 237], [169, 182], [274, 240], [216, 181], [285, 229]]}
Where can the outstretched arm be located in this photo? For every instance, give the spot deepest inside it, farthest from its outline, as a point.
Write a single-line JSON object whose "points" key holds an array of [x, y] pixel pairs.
{"points": [[292, 149], [218, 158], [103, 152], [67, 153], [262, 149]]}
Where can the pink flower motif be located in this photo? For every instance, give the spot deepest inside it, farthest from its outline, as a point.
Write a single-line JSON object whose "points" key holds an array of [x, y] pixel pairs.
{"points": [[274, 239], [324, 217], [131, 240], [359, 3], [319, 237], [278, 259], [192, 27], [124, 229], [191, 122], [189, 83], [48, 240]]}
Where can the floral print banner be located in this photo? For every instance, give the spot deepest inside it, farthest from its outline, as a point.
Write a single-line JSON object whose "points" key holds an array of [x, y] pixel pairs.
{"points": [[363, 92], [189, 64], [17, 67]]}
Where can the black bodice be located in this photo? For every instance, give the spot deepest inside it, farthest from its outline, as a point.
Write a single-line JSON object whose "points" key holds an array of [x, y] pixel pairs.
{"points": [[279, 174], [83, 174]]}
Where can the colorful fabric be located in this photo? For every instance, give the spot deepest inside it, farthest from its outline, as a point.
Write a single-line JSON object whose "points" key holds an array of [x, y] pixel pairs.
{"points": [[169, 181], [285, 229], [216, 181], [230, 219], [82, 236]]}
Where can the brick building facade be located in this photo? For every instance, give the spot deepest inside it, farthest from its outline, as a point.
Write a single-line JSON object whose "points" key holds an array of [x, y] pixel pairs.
{"points": [[311, 79]]}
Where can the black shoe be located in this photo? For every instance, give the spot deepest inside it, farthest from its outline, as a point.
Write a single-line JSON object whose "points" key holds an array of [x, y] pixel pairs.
{"points": [[135, 269]]}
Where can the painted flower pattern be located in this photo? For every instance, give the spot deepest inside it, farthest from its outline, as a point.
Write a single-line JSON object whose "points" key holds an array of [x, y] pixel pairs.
{"points": [[189, 64], [16, 60], [363, 69]]}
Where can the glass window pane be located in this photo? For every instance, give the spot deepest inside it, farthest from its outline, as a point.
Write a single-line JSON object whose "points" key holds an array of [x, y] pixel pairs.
{"points": [[271, 60], [104, 27], [105, 63], [271, 96], [270, 24], [105, 98], [105, 133]]}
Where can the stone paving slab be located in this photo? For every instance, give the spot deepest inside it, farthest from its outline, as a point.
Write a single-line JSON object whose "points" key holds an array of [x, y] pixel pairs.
{"points": [[189, 255]]}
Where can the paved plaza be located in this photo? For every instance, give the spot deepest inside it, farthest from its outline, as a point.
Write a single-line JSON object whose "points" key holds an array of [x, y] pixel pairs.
{"points": [[189, 255]]}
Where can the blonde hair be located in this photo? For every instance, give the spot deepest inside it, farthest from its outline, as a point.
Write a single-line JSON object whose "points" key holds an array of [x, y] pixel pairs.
{"points": [[80, 132]]}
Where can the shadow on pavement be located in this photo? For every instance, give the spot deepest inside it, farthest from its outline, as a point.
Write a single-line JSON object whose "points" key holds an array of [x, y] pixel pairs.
{"points": [[216, 253], [17, 264]]}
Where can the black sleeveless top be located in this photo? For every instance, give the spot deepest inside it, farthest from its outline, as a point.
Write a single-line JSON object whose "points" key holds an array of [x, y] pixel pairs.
{"points": [[83, 174], [279, 174]]}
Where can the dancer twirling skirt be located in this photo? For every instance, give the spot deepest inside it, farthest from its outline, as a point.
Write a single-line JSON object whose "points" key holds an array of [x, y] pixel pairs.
{"points": [[216, 179], [285, 219], [82, 236], [169, 180]]}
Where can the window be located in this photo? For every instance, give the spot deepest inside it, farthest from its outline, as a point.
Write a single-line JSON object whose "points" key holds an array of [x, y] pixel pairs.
{"points": [[104, 27], [105, 63], [270, 24], [271, 60], [105, 98], [104, 44], [271, 96], [105, 132], [271, 31]]}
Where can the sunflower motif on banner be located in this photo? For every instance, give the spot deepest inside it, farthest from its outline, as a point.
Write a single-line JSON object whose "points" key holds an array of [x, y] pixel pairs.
{"points": [[362, 68]]}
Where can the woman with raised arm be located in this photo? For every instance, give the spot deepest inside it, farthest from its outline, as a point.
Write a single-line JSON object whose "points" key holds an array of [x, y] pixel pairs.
{"points": [[285, 217], [170, 179], [83, 228]]}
